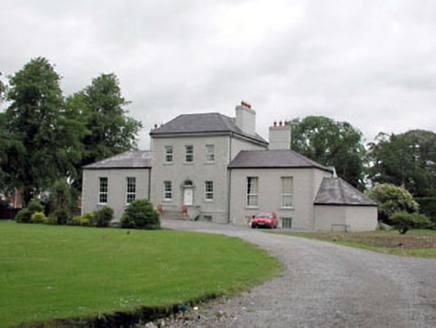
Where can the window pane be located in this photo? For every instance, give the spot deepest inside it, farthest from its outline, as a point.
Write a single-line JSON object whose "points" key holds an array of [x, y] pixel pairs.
{"points": [[210, 153], [168, 154], [189, 149], [252, 191], [167, 190], [131, 190], [208, 190], [103, 188]]}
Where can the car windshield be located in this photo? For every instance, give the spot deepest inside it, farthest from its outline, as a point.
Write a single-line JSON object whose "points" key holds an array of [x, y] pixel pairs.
{"points": [[265, 215]]}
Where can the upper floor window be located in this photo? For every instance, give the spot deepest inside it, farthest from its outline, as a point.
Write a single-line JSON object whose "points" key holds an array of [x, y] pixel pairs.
{"points": [[208, 190], [252, 191], [131, 190], [168, 154], [168, 191], [189, 153], [210, 153], [287, 191], [102, 191]]}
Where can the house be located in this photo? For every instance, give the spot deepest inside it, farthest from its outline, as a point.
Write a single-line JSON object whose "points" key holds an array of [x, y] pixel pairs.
{"points": [[217, 168]]}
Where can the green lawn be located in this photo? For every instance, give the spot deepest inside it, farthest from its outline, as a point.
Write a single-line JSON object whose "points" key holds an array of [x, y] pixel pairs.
{"points": [[57, 271], [418, 243]]}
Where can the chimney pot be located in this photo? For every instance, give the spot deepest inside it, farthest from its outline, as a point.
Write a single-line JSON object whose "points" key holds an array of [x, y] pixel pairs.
{"points": [[286, 123], [155, 126], [275, 123], [280, 123], [245, 104]]}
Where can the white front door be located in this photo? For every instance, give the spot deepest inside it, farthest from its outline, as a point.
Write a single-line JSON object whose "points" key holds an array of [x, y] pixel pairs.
{"points": [[188, 196]]}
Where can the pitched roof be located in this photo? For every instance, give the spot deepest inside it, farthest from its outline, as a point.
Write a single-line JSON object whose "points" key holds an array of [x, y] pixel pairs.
{"points": [[335, 191], [129, 159], [273, 159], [202, 123]]}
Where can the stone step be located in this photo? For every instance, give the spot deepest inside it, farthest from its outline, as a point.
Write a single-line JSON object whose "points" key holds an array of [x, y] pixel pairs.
{"points": [[173, 215]]}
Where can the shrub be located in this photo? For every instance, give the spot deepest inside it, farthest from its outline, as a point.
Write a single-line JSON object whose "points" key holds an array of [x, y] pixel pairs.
{"points": [[103, 217], [404, 221], [35, 206], [62, 217], [23, 216], [50, 220], [88, 217], [78, 220], [37, 217], [140, 215]]}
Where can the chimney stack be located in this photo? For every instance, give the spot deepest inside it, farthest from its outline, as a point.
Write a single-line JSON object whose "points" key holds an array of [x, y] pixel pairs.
{"points": [[280, 136], [246, 118]]}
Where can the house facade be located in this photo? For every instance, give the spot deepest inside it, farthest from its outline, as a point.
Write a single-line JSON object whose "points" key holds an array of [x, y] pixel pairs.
{"points": [[212, 167]]}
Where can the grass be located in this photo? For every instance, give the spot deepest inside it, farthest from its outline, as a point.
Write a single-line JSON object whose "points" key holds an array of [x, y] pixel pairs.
{"points": [[51, 272], [418, 243]]}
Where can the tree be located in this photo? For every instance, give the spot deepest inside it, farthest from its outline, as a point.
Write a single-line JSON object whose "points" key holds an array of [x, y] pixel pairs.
{"points": [[407, 159], [392, 199], [43, 136], [331, 143], [109, 130]]}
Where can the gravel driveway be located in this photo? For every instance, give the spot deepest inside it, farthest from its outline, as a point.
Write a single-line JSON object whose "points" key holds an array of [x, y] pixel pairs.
{"points": [[325, 285]]}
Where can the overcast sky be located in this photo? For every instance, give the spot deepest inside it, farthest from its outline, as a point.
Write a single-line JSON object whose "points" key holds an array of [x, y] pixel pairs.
{"points": [[371, 63]]}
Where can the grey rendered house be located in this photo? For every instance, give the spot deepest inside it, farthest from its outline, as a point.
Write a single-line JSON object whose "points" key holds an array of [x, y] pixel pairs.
{"points": [[216, 168]]}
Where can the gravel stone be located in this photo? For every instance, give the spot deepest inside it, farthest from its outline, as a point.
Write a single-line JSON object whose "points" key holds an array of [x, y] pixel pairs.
{"points": [[323, 285]]}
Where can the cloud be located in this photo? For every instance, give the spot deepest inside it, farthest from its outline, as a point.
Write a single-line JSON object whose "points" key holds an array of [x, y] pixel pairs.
{"points": [[371, 63]]}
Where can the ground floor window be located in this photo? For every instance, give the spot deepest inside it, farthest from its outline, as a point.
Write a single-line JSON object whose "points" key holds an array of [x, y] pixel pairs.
{"points": [[168, 192], [131, 190], [103, 190], [286, 223], [287, 191], [208, 190], [252, 191]]}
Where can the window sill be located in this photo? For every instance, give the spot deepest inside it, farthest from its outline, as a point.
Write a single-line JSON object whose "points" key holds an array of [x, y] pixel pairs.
{"points": [[209, 200], [287, 208], [168, 163], [209, 163], [167, 200], [251, 207]]}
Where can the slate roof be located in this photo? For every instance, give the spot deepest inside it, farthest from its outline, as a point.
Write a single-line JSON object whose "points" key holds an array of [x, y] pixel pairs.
{"points": [[129, 159], [335, 191], [202, 123], [273, 159]]}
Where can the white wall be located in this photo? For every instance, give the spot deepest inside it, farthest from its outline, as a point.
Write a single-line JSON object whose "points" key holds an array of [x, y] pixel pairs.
{"points": [[356, 218], [117, 188], [270, 194]]}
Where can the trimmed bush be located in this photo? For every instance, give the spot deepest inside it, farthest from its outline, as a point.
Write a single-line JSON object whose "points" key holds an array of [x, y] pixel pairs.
{"points": [[37, 217], [404, 221], [140, 215], [23, 216], [103, 217]]}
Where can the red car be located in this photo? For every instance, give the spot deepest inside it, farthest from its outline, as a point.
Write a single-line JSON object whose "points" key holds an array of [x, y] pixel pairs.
{"points": [[265, 220]]}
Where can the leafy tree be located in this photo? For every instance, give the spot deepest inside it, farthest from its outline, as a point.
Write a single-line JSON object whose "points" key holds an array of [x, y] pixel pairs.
{"points": [[407, 159], [331, 143], [392, 199], [404, 221], [109, 130], [43, 137]]}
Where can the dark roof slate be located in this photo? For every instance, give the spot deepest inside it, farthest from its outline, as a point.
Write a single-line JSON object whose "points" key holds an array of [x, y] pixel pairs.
{"points": [[129, 159], [202, 123], [335, 191], [273, 159]]}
